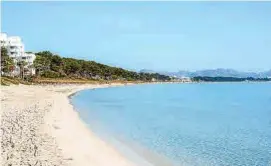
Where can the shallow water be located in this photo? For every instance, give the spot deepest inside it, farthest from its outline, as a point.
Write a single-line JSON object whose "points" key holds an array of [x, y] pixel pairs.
{"points": [[191, 124]]}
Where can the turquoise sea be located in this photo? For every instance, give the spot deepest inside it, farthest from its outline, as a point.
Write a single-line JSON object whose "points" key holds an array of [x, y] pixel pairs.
{"points": [[206, 124]]}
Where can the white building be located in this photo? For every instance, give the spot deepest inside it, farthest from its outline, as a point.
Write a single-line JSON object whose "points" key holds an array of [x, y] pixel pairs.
{"points": [[15, 49], [3, 39], [185, 79], [13, 44]]}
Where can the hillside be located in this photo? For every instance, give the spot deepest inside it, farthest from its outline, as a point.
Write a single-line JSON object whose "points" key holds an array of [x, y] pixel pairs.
{"points": [[49, 65], [214, 73]]}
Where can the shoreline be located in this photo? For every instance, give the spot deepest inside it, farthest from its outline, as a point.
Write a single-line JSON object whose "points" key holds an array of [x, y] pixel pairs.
{"points": [[39, 125], [134, 152], [59, 136]]}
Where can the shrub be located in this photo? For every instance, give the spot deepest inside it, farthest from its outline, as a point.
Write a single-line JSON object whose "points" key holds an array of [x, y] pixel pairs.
{"points": [[50, 74]]}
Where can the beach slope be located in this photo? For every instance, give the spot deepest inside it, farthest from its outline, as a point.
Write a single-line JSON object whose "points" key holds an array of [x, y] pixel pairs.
{"points": [[40, 127]]}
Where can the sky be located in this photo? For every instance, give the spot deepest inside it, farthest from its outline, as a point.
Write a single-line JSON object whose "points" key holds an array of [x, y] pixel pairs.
{"points": [[161, 36]]}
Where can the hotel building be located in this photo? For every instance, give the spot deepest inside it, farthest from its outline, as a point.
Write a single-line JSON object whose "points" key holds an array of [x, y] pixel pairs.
{"points": [[15, 49]]}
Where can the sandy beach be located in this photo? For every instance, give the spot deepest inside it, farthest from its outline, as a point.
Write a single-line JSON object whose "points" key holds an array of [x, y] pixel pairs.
{"points": [[40, 127]]}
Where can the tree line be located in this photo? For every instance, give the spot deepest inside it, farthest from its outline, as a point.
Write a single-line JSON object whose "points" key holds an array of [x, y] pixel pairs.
{"points": [[227, 79], [49, 65], [7, 63]]}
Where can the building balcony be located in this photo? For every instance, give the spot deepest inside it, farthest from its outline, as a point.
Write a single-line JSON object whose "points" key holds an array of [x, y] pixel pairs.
{"points": [[13, 55], [15, 50], [16, 44]]}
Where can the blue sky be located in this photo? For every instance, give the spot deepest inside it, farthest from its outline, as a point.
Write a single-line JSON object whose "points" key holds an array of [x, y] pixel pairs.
{"points": [[168, 36]]}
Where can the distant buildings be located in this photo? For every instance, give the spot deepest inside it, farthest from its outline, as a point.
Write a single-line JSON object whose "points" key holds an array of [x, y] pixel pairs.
{"points": [[181, 79], [15, 49], [185, 79]]}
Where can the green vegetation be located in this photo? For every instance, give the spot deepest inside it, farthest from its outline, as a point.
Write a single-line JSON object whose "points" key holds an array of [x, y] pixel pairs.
{"points": [[52, 68], [6, 80], [22, 64], [49, 65], [7, 64], [227, 79]]}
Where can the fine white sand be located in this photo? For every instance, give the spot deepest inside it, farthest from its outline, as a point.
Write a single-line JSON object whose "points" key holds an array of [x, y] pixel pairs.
{"points": [[40, 127]]}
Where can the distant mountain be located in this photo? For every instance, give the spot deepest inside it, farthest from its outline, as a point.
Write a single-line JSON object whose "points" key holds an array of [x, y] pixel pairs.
{"points": [[147, 71], [266, 74], [213, 73]]}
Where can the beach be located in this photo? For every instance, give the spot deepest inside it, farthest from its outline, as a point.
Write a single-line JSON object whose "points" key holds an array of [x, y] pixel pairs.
{"points": [[39, 126]]}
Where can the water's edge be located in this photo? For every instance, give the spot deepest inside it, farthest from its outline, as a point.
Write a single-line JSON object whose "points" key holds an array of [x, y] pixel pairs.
{"points": [[131, 150], [195, 124]]}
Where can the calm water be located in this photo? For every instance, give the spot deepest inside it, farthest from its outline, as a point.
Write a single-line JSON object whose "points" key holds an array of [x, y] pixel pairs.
{"points": [[192, 124]]}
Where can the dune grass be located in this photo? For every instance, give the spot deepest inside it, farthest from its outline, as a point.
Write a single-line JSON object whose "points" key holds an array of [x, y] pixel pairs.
{"points": [[78, 81], [16, 81], [8, 81]]}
